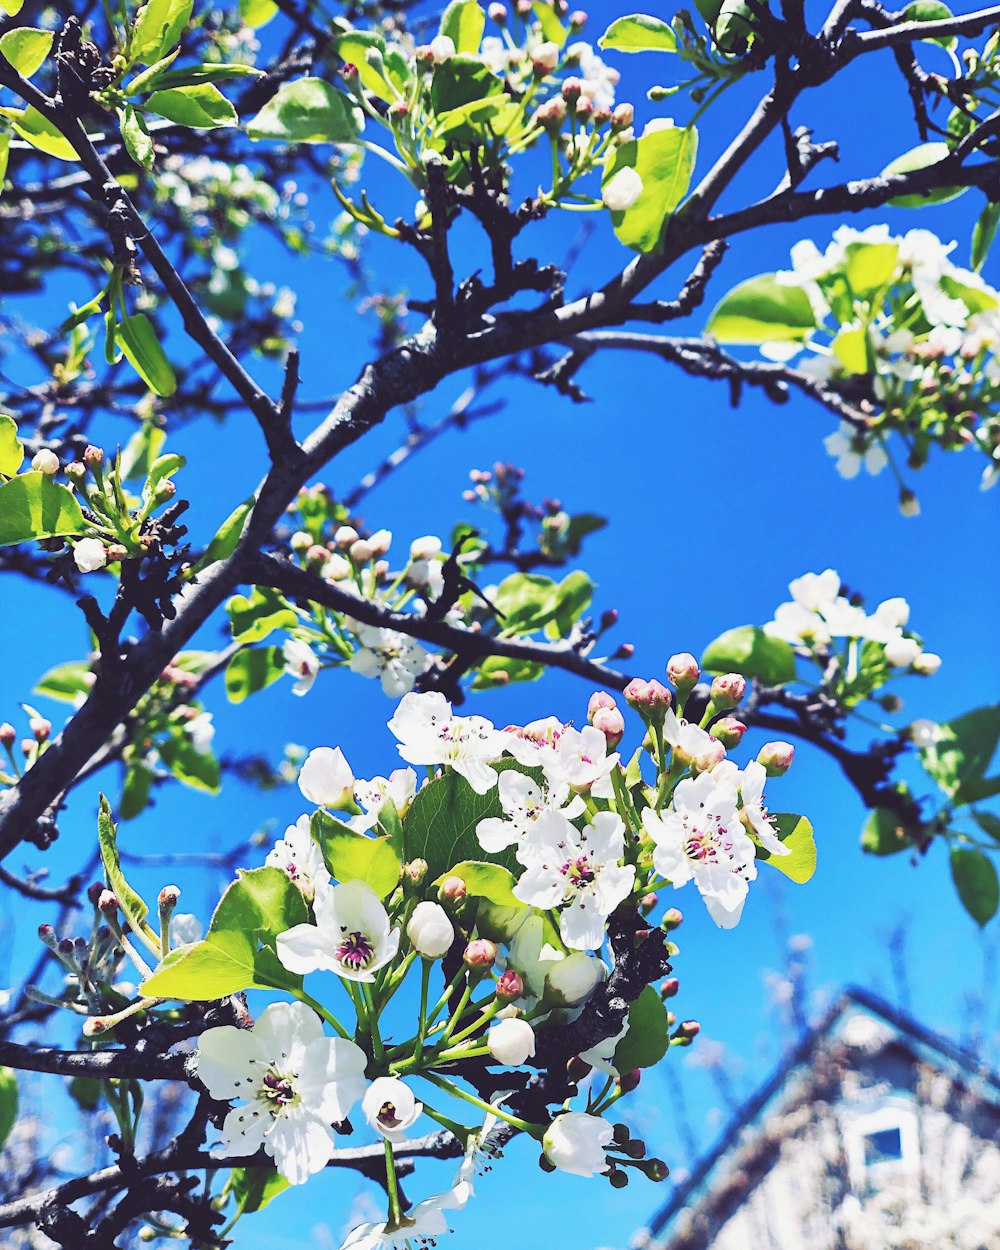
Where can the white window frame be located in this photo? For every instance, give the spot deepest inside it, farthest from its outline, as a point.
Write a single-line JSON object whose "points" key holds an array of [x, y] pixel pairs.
{"points": [[893, 1113]]}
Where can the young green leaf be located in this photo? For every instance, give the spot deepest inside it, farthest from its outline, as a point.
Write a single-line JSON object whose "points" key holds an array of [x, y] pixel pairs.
{"points": [[158, 27], [8, 1102], [797, 834], [983, 234], [229, 534], [253, 618], [883, 834], [261, 902], [488, 881], [144, 353], [32, 506], [255, 1188], [138, 141], [752, 652], [67, 682], [26, 48], [638, 33], [922, 157], [44, 135], [11, 451], [253, 669], [133, 907], [222, 964], [308, 110], [354, 856], [255, 14], [463, 22], [200, 107], [663, 157], [648, 1036], [975, 879], [961, 752], [197, 769], [762, 310]]}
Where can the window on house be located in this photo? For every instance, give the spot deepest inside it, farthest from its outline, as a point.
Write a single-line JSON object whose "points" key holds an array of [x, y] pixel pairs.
{"points": [[881, 1142], [883, 1146]]}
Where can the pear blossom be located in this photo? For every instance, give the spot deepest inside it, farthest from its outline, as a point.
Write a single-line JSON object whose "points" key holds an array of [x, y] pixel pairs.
{"points": [[393, 658], [691, 743], [326, 778], [750, 783], [622, 190], [351, 937], [815, 591], [852, 449], [582, 762], [599, 78], [300, 858], [430, 930], [927, 663], [901, 652], [511, 1042], [302, 661], [536, 743], [90, 555], [572, 979], [296, 1082], [390, 1107], [700, 838], [576, 1142], [398, 788], [429, 733], [577, 871], [201, 731], [523, 801]]}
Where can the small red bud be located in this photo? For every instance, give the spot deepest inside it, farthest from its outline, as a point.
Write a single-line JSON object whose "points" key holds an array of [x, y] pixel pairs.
{"points": [[8, 734], [629, 1081], [452, 890], [480, 953], [669, 988], [683, 671], [510, 985]]}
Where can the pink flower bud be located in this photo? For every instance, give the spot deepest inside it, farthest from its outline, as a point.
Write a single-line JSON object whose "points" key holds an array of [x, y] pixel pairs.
{"points": [[169, 896], [545, 59], [649, 698], [608, 618], [28, 746], [498, 14], [75, 472], [622, 117], [628, 1081], [776, 757], [344, 535], [94, 892], [8, 734], [728, 690], [689, 1029], [510, 985], [578, 1069], [361, 551], [93, 457], [683, 671], [40, 728], [599, 699], [480, 953], [669, 988], [672, 919], [572, 89], [578, 19], [611, 723], [584, 108], [416, 870], [550, 116], [648, 902], [452, 890], [108, 903], [729, 731]]}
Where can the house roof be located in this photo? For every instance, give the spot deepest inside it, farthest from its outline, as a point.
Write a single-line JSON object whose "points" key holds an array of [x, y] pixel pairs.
{"points": [[921, 1042]]}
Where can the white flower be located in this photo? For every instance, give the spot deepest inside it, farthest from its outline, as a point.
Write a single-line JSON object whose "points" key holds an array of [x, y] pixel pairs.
{"points": [[927, 663], [45, 461], [700, 838], [546, 55], [511, 1042], [536, 743], [302, 661], [201, 731], [430, 931], [852, 449], [296, 1083], [185, 927], [337, 568], [390, 1108], [901, 652], [581, 762], [894, 613], [299, 856], [690, 743], [390, 656], [815, 591], [351, 936], [90, 555], [326, 778], [442, 48], [622, 190], [578, 871], [429, 733], [599, 79], [753, 813], [398, 788], [602, 1054], [428, 576], [523, 801], [576, 1142], [571, 980], [425, 548]]}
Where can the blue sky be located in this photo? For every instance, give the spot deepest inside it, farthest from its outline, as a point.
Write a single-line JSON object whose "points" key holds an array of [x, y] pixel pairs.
{"points": [[712, 511]]}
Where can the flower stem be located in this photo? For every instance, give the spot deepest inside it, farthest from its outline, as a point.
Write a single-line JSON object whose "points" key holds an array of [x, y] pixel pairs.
{"points": [[379, 1050], [535, 1130], [391, 1187], [457, 1014], [425, 979], [318, 1007]]}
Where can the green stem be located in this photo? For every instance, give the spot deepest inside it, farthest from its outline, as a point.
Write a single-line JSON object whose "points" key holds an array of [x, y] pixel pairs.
{"points": [[534, 1130], [391, 1186], [425, 979], [379, 1050], [318, 1007]]}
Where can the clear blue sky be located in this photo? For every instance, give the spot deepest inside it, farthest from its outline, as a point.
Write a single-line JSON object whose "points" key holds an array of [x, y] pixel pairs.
{"points": [[712, 512]]}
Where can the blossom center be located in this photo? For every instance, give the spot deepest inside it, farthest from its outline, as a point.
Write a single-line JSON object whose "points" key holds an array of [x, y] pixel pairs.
{"points": [[579, 872], [276, 1091], [355, 951], [387, 1115], [704, 844]]}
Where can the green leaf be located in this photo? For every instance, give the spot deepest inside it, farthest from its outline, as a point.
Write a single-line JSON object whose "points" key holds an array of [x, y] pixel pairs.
{"points": [[974, 298], [253, 669], [852, 349], [230, 532], [162, 79], [253, 618], [580, 525], [196, 769], [921, 157], [960, 755], [255, 1188], [527, 601], [870, 266], [8, 1102], [200, 107], [352, 856], [141, 450], [573, 596], [32, 506], [930, 11], [463, 21], [222, 964], [353, 48], [752, 652], [552, 29], [989, 824], [260, 903], [26, 48], [975, 879], [143, 352], [461, 80], [797, 834], [501, 670], [983, 234], [158, 27], [255, 14], [664, 159], [86, 1092], [440, 825], [13, 7], [648, 1036], [638, 33], [762, 310], [44, 135], [488, 881], [11, 451], [135, 791], [162, 468], [883, 834], [66, 682], [308, 110], [133, 907], [4, 155]]}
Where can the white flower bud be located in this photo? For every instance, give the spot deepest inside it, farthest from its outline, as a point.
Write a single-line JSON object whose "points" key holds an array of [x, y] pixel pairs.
{"points": [[894, 612], [300, 541], [390, 1108], [90, 555], [430, 930], [901, 652], [511, 1042], [46, 462], [927, 664], [622, 191], [546, 57], [344, 535], [425, 548], [380, 542], [336, 569], [576, 1142], [361, 551], [442, 48], [572, 980], [326, 778]]}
